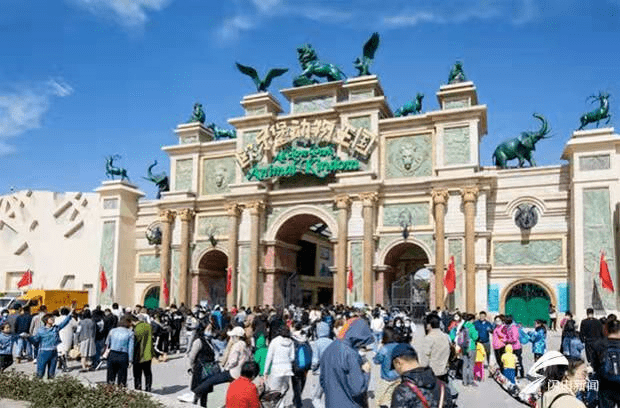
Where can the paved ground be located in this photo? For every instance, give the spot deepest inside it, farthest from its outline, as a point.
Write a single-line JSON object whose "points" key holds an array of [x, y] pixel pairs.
{"points": [[171, 380]]}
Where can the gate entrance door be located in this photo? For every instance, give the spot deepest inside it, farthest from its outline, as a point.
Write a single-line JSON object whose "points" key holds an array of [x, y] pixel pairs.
{"points": [[528, 302]]}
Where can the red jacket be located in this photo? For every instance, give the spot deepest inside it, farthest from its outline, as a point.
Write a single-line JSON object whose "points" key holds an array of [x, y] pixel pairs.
{"points": [[242, 393]]}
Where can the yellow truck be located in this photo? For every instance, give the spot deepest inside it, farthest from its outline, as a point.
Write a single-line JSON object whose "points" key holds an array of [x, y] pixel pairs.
{"points": [[54, 299]]}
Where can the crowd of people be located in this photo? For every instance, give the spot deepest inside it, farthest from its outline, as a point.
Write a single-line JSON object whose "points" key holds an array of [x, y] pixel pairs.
{"points": [[277, 350]]}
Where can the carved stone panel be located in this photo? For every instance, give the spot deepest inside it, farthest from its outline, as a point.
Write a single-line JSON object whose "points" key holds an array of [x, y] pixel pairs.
{"points": [[598, 162], [418, 212], [597, 237], [183, 175], [456, 103], [455, 249], [217, 174], [358, 96], [106, 260], [175, 272], [149, 264], [249, 138], [216, 225], [360, 122], [535, 252], [356, 264], [456, 146], [408, 156], [244, 274], [313, 104]]}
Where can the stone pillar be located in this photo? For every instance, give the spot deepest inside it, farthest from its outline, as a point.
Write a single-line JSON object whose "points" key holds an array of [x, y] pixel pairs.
{"points": [[234, 212], [470, 196], [368, 213], [256, 208], [340, 291], [186, 215], [166, 217], [440, 198]]}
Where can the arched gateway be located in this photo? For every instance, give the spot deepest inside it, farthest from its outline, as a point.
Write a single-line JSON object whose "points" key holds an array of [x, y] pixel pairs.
{"points": [[212, 276], [527, 301], [299, 259]]}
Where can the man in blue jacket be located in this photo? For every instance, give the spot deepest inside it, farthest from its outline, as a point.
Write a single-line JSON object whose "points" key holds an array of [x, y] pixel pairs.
{"points": [[484, 328], [344, 374]]}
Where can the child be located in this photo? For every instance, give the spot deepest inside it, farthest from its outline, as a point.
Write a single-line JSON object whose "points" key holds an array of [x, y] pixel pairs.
{"points": [[7, 340], [481, 355], [538, 338], [509, 361]]}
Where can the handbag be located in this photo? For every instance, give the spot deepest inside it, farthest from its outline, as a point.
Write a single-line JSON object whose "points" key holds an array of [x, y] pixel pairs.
{"points": [[210, 369]]}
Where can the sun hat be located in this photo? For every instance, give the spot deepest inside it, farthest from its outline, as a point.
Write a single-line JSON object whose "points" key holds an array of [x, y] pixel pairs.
{"points": [[550, 358], [237, 331]]}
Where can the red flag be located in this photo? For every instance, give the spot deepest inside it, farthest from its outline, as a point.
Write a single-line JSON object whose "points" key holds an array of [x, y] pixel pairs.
{"points": [[26, 279], [350, 279], [606, 281], [449, 281], [103, 280], [229, 280], [166, 292]]}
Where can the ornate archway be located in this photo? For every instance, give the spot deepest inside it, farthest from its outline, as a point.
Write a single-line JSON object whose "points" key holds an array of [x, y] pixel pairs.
{"points": [[405, 287], [211, 282], [527, 300], [150, 297]]}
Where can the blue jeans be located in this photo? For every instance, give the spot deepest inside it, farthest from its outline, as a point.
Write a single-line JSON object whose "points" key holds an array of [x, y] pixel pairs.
{"points": [[509, 373], [47, 358], [23, 346], [99, 345]]}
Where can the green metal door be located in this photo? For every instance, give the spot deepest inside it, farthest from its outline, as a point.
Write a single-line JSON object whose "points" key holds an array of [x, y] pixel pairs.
{"points": [[528, 302], [151, 300]]}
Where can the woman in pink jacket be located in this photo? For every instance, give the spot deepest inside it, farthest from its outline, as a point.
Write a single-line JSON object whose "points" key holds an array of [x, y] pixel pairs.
{"points": [[513, 339], [498, 340]]}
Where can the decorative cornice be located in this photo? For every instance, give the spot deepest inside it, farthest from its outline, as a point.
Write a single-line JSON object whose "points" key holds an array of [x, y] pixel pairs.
{"points": [[166, 216], [186, 214], [255, 207], [343, 201], [369, 199], [470, 194], [440, 196]]}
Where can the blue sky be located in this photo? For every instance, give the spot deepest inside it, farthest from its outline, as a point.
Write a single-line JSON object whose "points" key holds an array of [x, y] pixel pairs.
{"points": [[82, 79]]}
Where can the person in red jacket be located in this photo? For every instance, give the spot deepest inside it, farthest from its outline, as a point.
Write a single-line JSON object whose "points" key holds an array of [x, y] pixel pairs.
{"points": [[242, 393]]}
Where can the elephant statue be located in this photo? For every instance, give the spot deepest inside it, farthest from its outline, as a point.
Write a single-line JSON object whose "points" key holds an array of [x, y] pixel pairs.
{"points": [[520, 147]]}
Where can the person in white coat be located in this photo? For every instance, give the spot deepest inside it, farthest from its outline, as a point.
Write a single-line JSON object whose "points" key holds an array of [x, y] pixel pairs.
{"points": [[66, 340], [279, 362]]}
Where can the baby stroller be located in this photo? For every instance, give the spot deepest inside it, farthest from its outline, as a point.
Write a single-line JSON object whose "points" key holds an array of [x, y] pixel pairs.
{"points": [[272, 399]]}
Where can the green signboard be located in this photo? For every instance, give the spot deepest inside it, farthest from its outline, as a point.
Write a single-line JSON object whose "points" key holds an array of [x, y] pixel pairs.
{"points": [[312, 160]]}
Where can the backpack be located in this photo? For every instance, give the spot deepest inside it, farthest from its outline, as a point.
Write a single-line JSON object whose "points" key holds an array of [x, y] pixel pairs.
{"points": [[611, 365], [462, 339], [303, 357]]}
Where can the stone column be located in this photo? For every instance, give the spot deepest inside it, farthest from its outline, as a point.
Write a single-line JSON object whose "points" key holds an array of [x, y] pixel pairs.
{"points": [[342, 203], [440, 198], [234, 212], [166, 217], [368, 213], [470, 196], [186, 215], [256, 208]]}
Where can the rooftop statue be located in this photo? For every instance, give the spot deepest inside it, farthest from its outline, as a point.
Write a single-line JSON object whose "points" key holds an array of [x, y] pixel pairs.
{"points": [[362, 64], [520, 147], [198, 114], [221, 133], [456, 73], [160, 180], [111, 171], [414, 107], [602, 112], [261, 85], [313, 67]]}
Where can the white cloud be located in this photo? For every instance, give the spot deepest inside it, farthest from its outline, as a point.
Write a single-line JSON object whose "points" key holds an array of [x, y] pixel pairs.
{"points": [[230, 28], [130, 13], [459, 11], [23, 109]]}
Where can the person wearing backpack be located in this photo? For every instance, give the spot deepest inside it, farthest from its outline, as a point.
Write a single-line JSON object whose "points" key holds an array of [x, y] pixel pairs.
{"points": [[538, 338], [318, 347], [609, 371], [419, 387], [465, 336], [572, 346], [301, 364]]}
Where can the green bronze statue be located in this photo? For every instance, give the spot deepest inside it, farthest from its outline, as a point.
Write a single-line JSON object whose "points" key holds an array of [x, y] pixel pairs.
{"points": [[221, 133], [160, 180], [111, 171], [521, 147], [413, 107], [313, 67], [602, 112], [456, 73], [261, 84], [198, 114], [362, 64]]}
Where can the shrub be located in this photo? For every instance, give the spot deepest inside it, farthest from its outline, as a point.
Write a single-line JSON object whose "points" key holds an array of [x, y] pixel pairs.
{"points": [[68, 392]]}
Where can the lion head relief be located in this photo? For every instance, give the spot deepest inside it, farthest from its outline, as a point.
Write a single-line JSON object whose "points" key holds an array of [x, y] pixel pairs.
{"points": [[408, 157]]}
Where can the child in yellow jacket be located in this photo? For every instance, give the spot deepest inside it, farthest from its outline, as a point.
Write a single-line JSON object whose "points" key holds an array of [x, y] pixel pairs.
{"points": [[481, 355], [509, 360]]}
